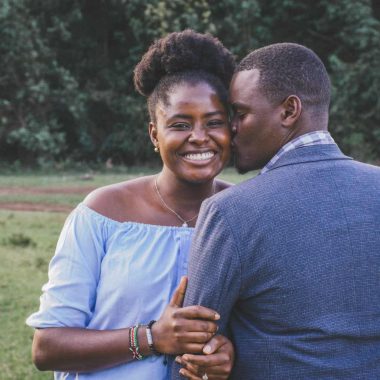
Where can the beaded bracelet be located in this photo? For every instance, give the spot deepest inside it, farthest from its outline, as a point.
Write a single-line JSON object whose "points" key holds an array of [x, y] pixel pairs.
{"points": [[149, 338], [134, 343]]}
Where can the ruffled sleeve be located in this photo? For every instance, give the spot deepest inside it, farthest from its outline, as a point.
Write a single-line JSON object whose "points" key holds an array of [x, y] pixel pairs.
{"points": [[69, 297]]}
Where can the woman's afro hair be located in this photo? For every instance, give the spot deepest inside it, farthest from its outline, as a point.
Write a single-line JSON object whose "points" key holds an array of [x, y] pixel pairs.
{"points": [[179, 52]]}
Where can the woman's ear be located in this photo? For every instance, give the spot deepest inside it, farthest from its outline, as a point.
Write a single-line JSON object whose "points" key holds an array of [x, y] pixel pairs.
{"points": [[153, 136], [291, 111], [153, 133]]}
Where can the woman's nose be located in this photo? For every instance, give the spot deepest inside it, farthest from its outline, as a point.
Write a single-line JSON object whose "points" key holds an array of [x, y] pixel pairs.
{"points": [[199, 135]]}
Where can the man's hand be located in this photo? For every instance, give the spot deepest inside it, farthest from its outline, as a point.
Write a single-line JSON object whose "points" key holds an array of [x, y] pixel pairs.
{"points": [[216, 363]]}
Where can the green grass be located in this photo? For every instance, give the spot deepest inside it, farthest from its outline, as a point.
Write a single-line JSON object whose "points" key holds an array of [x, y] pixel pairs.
{"points": [[69, 179], [75, 180], [230, 175], [27, 242]]}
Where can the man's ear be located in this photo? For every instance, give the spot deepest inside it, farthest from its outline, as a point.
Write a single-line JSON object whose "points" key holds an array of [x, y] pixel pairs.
{"points": [[291, 111], [153, 133]]}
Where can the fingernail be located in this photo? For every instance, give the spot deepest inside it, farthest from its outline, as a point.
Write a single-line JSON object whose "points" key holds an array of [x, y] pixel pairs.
{"points": [[217, 316], [178, 359], [181, 371], [184, 357], [207, 349]]}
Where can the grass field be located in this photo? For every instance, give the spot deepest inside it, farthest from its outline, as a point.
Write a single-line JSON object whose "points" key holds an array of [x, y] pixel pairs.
{"points": [[27, 242]]}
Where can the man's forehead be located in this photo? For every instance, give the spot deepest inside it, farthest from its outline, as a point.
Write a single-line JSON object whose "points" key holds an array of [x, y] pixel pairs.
{"points": [[245, 78], [243, 83]]}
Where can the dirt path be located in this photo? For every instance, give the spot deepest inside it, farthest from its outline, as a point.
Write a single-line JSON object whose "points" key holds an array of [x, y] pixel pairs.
{"points": [[40, 206], [45, 190], [28, 206]]}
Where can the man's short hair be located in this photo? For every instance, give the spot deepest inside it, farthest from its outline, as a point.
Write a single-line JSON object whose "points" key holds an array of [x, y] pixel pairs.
{"points": [[290, 69]]}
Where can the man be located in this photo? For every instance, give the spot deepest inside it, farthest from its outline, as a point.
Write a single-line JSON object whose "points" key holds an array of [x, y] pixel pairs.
{"points": [[291, 258]]}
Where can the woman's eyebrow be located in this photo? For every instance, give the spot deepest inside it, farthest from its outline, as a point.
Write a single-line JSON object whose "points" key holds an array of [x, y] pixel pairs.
{"points": [[181, 116], [213, 113], [186, 116]]}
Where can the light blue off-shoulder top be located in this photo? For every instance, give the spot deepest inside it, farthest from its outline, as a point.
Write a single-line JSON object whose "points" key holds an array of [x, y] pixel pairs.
{"points": [[110, 275]]}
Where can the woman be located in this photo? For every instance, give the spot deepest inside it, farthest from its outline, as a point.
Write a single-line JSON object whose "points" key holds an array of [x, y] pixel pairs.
{"points": [[123, 251]]}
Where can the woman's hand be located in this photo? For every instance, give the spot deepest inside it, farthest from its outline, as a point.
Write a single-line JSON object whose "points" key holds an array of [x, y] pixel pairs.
{"points": [[183, 329], [217, 362]]}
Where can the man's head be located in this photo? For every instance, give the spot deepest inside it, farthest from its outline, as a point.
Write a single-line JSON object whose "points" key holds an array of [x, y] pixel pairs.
{"points": [[278, 92]]}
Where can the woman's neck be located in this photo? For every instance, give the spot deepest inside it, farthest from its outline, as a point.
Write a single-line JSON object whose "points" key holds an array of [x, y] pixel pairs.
{"points": [[186, 196]]}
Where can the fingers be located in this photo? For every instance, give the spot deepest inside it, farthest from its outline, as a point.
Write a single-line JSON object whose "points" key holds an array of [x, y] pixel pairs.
{"points": [[194, 369], [188, 374], [196, 337], [197, 374], [215, 372], [215, 343], [198, 312], [217, 365], [193, 348], [194, 325], [182, 325], [179, 293], [206, 360]]}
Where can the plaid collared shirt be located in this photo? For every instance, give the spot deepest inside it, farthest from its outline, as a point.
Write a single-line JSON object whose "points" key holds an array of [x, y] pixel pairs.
{"points": [[311, 138]]}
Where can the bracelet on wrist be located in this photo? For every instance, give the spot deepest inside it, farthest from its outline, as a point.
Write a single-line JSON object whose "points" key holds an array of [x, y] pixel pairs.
{"points": [[134, 343], [149, 338]]}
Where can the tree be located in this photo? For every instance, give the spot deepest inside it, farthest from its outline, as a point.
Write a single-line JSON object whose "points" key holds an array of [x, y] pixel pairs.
{"points": [[66, 88]]}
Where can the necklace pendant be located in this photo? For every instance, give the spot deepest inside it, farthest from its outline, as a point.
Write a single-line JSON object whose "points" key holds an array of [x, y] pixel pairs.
{"points": [[185, 224]]}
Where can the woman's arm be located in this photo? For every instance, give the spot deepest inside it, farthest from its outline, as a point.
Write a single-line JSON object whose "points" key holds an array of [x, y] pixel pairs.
{"points": [[81, 350]]}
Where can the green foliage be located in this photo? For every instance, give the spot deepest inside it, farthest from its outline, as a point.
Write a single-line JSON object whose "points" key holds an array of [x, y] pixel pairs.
{"points": [[356, 79], [66, 89], [34, 87]]}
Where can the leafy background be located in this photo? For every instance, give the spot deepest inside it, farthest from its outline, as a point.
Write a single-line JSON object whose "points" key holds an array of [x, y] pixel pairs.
{"points": [[66, 91]]}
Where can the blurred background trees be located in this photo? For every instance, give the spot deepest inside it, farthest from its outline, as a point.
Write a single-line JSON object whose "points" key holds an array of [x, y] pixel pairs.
{"points": [[66, 89]]}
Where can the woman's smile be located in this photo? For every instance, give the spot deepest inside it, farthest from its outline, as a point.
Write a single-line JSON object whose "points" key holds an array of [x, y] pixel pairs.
{"points": [[199, 156]]}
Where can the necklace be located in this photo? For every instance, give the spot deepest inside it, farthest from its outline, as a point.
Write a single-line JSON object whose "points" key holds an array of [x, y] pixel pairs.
{"points": [[184, 222]]}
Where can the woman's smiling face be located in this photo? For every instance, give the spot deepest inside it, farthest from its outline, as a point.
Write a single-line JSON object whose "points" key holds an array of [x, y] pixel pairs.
{"points": [[193, 133]]}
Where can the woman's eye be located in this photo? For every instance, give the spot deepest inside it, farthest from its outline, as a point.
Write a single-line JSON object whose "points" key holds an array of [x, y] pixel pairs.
{"points": [[180, 126], [215, 123]]}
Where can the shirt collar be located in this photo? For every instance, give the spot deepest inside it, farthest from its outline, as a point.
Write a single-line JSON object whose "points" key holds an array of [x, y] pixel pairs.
{"points": [[311, 138]]}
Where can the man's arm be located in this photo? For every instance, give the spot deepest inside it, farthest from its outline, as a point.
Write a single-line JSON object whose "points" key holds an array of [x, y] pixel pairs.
{"points": [[214, 266]]}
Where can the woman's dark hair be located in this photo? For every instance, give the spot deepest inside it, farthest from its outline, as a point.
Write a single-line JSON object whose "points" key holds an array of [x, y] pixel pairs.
{"points": [[185, 56]]}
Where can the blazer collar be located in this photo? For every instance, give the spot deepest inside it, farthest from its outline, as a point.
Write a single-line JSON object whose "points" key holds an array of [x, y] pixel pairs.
{"points": [[311, 153]]}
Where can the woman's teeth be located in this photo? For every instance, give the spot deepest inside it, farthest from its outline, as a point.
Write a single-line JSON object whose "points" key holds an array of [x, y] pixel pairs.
{"points": [[199, 156]]}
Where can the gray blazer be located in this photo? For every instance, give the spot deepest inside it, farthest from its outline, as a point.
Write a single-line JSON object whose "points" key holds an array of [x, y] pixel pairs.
{"points": [[291, 261]]}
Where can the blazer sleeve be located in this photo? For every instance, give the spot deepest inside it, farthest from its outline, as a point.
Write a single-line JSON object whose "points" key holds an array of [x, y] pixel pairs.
{"points": [[214, 267]]}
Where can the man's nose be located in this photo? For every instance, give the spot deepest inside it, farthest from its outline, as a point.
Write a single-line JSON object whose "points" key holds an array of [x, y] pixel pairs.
{"points": [[234, 124]]}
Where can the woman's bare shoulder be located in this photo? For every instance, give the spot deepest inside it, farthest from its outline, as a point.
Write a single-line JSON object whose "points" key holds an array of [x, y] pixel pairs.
{"points": [[119, 200]]}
